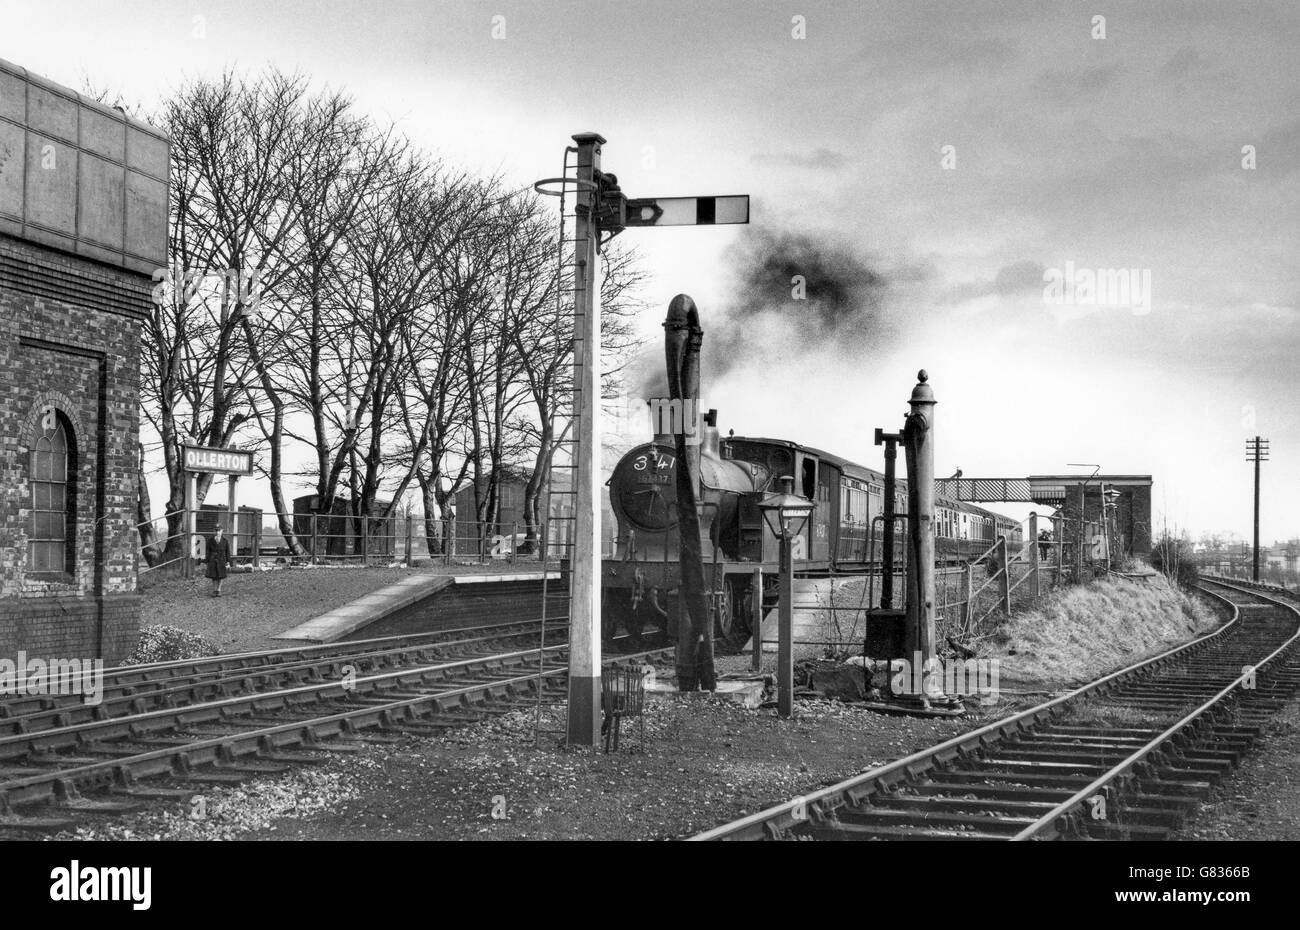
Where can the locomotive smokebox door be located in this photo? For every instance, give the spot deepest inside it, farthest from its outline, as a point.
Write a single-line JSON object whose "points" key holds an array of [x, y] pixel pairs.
{"points": [[886, 634]]}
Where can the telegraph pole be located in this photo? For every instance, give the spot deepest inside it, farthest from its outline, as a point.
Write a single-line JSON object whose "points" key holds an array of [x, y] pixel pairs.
{"points": [[601, 207], [1256, 451]]}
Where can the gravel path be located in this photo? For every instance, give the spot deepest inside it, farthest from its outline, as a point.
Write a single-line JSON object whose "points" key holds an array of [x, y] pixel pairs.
{"points": [[706, 761]]}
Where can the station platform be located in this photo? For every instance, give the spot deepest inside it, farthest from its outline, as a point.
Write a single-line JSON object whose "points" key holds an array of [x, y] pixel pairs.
{"points": [[394, 599]]}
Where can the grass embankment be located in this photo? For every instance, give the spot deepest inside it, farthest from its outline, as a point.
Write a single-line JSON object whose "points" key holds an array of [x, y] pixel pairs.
{"points": [[1082, 632]]}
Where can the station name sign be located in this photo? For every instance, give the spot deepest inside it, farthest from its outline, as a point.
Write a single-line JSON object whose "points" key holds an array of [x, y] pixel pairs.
{"points": [[218, 461]]}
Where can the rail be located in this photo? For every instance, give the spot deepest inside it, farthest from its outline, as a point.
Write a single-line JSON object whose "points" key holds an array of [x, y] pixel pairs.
{"points": [[860, 786], [1080, 798]]}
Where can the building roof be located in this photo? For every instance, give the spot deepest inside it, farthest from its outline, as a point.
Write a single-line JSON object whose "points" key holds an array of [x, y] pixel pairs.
{"points": [[1092, 479]]}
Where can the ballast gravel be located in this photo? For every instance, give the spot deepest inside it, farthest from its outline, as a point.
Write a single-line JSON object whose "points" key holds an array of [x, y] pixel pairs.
{"points": [[704, 761]]}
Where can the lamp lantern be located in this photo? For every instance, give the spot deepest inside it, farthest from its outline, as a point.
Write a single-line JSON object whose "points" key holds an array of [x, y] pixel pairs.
{"points": [[786, 514]]}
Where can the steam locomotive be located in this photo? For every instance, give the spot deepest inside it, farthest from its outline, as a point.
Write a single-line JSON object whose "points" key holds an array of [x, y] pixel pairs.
{"points": [[842, 535]]}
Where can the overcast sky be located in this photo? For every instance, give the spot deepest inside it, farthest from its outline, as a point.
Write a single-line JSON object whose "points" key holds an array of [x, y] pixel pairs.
{"points": [[934, 162]]}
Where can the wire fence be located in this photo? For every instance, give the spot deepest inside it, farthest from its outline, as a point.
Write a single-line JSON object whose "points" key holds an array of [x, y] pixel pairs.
{"points": [[970, 598], [1241, 567], [259, 540]]}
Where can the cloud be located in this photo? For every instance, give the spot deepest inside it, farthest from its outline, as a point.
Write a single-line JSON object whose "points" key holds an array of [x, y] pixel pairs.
{"points": [[1013, 280], [1279, 151], [1068, 86], [797, 294], [820, 159], [1183, 63], [1019, 277]]}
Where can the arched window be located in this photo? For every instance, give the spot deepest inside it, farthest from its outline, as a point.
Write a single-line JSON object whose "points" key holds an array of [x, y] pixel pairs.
{"points": [[51, 521]]}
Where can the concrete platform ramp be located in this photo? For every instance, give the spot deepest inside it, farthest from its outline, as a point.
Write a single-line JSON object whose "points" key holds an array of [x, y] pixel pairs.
{"points": [[424, 603]]}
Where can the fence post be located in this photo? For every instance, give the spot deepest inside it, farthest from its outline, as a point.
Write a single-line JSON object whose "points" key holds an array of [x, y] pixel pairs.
{"points": [[365, 540], [187, 557], [257, 543], [314, 537], [190, 505], [756, 619], [410, 540], [968, 609], [1080, 539], [1033, 552], [514, 538], [1006, 575]]}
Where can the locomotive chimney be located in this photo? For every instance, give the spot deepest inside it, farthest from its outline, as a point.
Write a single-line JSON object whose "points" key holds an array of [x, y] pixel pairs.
{"points": [[710, 442]]}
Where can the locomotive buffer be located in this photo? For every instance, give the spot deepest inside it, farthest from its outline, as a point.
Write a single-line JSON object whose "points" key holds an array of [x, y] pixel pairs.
{"points": [[601, 207]]}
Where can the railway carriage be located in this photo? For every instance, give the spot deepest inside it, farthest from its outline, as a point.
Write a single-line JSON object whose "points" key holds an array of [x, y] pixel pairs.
{"points": [[842, 535]]}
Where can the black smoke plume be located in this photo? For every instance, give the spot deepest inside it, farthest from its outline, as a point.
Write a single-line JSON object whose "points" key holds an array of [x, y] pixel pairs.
{"points": [[792, 294]]}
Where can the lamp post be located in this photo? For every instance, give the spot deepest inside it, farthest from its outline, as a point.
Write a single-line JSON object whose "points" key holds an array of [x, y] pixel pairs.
{"points": [[1110, 521], [1083, 503], [785, 514]]}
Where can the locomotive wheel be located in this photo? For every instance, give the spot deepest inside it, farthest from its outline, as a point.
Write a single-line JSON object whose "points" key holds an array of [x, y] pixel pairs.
{"points": [[615, 612], [612, 607], [731, 625], [634, 623]]}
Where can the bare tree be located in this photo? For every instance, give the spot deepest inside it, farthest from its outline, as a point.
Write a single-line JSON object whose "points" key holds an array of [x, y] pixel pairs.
{"points": [[545, 344], [340, 163], [234, 145], [336, 291]]}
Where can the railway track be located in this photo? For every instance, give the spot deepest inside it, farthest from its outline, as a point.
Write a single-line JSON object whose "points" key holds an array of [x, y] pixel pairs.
{"points": [[227, 719], [132, 689], [1126, 757]]}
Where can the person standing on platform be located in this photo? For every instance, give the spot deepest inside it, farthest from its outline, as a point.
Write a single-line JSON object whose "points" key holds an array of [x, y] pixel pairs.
{"points": [[218, 559]]}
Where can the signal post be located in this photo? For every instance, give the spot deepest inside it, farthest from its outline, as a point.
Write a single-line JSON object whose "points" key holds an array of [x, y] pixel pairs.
{"points": [[601, 207], [584, 565]]}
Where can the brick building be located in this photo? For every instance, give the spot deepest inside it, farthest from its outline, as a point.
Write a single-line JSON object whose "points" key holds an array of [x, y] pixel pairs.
{"points": [[1129, 516], [83, 224]]}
